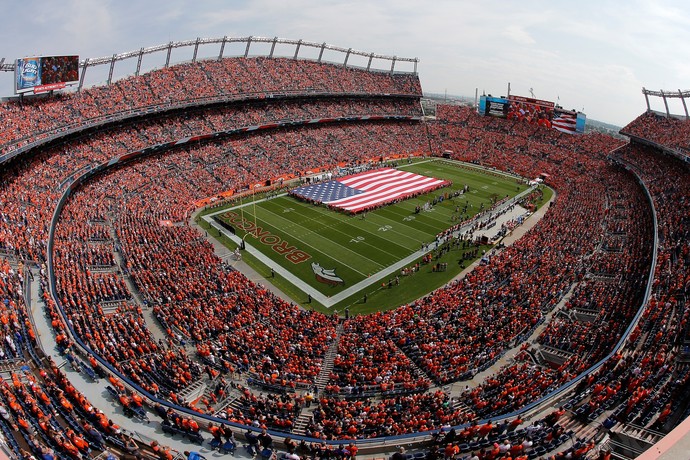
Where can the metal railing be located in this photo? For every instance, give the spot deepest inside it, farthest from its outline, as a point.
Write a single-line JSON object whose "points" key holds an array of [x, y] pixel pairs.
{"points": [[297, 45]]}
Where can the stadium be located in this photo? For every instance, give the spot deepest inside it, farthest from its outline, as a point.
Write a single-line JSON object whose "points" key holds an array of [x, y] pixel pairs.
{"points": [[551, 321]]}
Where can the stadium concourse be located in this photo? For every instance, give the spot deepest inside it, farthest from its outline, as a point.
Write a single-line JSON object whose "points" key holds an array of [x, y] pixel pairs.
{"points": [[137, 299]]}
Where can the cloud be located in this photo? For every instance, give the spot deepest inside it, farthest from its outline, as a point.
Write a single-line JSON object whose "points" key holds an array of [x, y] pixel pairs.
{"points": [[589, 53], [87, 22], [518, 34]]}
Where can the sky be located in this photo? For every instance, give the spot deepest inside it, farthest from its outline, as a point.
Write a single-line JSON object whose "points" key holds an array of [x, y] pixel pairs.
{"points": [[593, 56]]}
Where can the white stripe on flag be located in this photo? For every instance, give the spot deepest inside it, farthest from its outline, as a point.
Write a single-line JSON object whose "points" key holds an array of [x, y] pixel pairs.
{"points": [[398, 187], [376, 183], [389, 198], [366, 175], [565, 123]]}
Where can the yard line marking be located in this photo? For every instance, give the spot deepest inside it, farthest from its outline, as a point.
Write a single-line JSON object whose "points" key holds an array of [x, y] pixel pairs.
{"points": [[310, 232], [416, 240], [323, 211]]}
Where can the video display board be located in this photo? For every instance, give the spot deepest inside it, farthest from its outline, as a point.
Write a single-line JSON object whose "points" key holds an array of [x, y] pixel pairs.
{"points": [[569, 121], [494, 106], [531, 110], [45, 73]]}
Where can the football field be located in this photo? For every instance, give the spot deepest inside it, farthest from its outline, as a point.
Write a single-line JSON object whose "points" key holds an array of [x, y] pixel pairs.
{"points": [[332, 251]]}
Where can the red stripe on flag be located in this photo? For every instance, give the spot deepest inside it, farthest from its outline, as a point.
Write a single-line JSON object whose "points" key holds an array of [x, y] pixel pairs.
{"points": [[565, 123], [378, 182], [348, 180], [384, 190], [383, 186], [421, 188]]}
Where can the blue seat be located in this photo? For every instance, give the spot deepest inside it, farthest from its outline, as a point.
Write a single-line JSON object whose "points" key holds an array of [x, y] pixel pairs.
{"points": [[196, 438], [90, 372], [113, 392], [215, 443], [228, 447]]}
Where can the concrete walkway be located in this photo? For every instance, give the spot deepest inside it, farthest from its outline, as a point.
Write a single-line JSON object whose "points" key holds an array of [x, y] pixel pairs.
{"points": [[97, 394]]}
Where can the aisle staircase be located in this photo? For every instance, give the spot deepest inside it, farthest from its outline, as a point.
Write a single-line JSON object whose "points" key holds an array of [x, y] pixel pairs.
{"points": [[321, 380], [459, 405], [193, 391], [631, 440]]}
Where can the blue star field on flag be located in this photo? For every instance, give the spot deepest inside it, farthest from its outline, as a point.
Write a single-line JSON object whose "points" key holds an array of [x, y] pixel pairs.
{"points": [[323, 192]]}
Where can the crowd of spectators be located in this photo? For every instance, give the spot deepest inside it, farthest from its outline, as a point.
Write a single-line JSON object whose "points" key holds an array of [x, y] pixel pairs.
{"points": [[23, 229], [42, 415], [137, 213], [612, 293], [610, 304], [669, 132], [340, 418], [644, 383], [500, 301], [15, 330], [368, 362], [514, 386], [485, 312], [508, 439], [35, 119], [266, 411], [593, 206], [663, 327], [88, 279]]}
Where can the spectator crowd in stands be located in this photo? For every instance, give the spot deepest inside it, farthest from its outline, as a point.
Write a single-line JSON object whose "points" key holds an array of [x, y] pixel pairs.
{"points": [[113, 244]]}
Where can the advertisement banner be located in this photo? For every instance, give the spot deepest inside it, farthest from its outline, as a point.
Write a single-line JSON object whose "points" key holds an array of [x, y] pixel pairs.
{"points": [[531, 110], [46, 73]]}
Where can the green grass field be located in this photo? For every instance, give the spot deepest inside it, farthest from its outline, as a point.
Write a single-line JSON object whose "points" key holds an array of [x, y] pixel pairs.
{"points": [[293, 234]]}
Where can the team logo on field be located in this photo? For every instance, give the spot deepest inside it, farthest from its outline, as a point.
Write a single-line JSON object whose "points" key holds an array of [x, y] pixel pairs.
{"points": [[325, 275]]}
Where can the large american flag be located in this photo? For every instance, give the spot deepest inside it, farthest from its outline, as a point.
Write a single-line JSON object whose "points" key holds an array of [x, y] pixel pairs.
{"points": [[368, 189], [565, 122]]}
